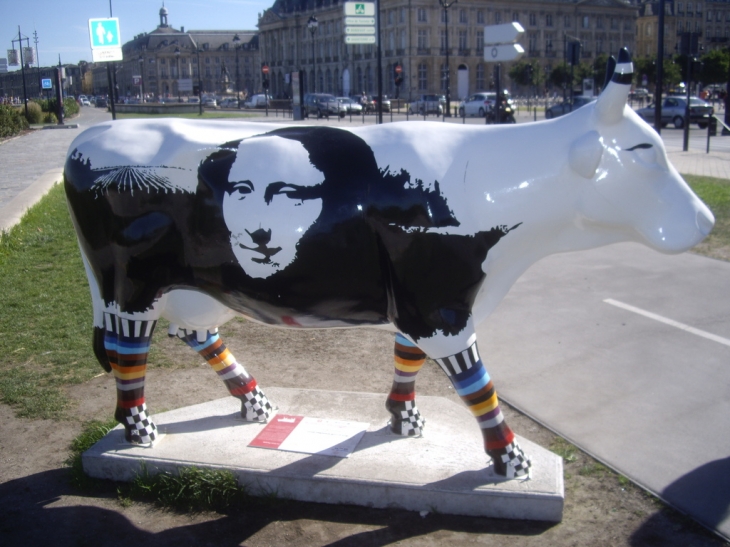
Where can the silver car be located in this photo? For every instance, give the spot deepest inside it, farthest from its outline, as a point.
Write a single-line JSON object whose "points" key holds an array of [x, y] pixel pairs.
{"points": [[673, 110], [566, 107], [351, 106]]}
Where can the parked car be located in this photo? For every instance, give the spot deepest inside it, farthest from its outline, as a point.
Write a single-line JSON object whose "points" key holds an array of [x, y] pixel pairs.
{"points": [[212, 103], [101, 102], [84, 102], [230, 102], [259, 100], [351, 105], [386, 103], [195, 100], [566, 107], [478, 104], [428, 104], [673, 111], [322, 104]]}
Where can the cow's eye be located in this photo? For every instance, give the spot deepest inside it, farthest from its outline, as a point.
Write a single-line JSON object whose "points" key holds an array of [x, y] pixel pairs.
{"points": [[645, 152], [242, 188]]}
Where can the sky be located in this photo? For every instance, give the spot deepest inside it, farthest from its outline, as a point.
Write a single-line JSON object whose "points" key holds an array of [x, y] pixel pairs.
{"points": [[63, 26]]}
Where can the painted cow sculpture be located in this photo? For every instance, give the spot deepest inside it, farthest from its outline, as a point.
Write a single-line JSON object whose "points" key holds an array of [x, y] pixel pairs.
{"points": [[422, 226]]}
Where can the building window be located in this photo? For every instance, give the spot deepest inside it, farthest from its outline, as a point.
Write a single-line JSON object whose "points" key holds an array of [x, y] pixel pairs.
{"points": [[516, 16], [422, 15], [599, 22], [403, 38], [532, 42], [709, 15], [422, 77], [586, 22], [532, 19], [699, 9], [403, 15], [444, 76], [497, 17], [480, 42], [390, 17], [462, 40], [680, 26], [689, 9], [443, 40], [567, 22], [480, 17], [680, 8], [614, 24], [462, 16], [480, 76], [549, 20], [422, 39]]}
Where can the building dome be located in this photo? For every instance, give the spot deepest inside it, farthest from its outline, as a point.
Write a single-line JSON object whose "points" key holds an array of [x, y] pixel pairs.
{"points": [[163, 16], [163, 10]]}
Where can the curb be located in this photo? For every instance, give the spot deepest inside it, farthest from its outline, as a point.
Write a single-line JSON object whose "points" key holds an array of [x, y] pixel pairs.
{"points": [[11, 214]]}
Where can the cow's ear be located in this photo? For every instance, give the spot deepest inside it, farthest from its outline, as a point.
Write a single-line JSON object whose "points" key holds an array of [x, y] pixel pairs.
{"points": [[611, 102], [585, 154]]}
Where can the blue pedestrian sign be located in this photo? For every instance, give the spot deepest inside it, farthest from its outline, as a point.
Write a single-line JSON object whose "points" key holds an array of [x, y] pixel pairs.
{"points": [[46, 83], [106, 42]]}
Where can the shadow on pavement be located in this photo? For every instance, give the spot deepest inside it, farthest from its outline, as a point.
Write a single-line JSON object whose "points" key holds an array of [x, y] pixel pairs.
{"points": [[27, 518]]}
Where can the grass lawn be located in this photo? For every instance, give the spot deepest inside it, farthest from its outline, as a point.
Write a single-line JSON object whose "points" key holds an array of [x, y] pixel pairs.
{"points": [[45, 323]]}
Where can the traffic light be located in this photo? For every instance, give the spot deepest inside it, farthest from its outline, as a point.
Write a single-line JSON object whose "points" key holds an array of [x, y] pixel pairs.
{"points": [[529, 73], [574, 53], [265, 83]]}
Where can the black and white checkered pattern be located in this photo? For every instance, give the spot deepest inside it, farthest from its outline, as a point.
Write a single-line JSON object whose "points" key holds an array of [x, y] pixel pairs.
{"points": [[410, 423], [255, 406], [514, 462], [140, 427], [459, 362]]}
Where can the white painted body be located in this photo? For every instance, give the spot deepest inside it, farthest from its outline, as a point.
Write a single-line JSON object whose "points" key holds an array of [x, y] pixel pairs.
{"points": [[572, 182]]}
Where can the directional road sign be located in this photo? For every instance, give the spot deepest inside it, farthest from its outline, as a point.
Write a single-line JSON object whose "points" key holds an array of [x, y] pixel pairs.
{"points": [[360, 39], [503, 34], [359, 22], [499, 42], [106, 42], [503, 52]]}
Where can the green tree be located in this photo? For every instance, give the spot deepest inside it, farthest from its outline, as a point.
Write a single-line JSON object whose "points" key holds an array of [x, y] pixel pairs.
{"points": [[715, 69]]}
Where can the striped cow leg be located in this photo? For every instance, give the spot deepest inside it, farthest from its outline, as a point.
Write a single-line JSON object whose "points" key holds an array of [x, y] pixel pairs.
{"points": [[472, 383], [127, 345], [255, 406], [401, 403]]}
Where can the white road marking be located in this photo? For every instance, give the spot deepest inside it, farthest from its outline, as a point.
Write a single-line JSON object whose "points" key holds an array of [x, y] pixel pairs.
{"points": [[671, 322]]}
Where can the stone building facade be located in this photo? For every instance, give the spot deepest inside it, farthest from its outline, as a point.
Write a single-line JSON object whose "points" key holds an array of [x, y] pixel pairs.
{"points": [[167, 60], [709, 19], [413, 35]]}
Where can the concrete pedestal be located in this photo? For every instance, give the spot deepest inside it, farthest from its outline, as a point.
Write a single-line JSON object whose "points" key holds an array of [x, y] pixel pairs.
{"points": [[445, 471]]}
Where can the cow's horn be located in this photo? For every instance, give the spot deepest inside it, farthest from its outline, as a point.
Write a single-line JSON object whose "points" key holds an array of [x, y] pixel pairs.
{"points": [[611, 103]]}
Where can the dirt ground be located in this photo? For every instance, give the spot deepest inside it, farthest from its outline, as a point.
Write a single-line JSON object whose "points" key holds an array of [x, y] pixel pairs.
{"points": [[39, 507]]}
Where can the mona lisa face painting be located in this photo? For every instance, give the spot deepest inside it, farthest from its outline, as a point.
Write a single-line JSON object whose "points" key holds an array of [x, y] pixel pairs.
{"points": [[267, 206]]}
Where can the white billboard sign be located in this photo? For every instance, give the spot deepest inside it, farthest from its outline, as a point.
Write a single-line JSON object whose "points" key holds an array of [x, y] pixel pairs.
{"points": [[362, 9]]}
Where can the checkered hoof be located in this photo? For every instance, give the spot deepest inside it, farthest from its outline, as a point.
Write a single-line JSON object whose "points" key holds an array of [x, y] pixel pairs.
{"points": [[510, 462], [255, 406], [407, 420], [139, 429]]}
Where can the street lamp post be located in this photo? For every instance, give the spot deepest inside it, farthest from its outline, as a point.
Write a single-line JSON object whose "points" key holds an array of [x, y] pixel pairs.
{"points": [[177, 62], [200, 82], [312, 25], [237, 46], [141, 78], [446, 6]]}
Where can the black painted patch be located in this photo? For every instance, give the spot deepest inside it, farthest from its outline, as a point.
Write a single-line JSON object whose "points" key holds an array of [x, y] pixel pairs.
{"points": [[370, 257]]}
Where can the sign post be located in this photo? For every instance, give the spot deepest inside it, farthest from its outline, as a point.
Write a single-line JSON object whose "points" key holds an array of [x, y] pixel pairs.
{"points": [[500, 45]]}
